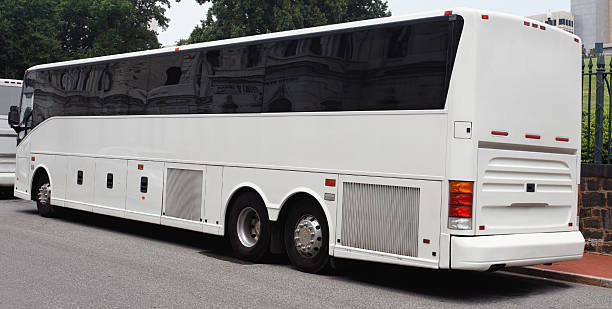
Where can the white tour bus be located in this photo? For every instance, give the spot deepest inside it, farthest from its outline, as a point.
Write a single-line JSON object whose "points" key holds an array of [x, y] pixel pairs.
{"points": [[10, 92], [440, 140]]}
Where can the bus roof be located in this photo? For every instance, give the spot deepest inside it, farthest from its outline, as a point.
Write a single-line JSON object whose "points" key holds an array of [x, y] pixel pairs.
{"points": [[276, 35]]}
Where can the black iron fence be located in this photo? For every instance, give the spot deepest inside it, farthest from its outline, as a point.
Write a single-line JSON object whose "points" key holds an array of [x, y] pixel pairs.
{"points": [[596, 109]]}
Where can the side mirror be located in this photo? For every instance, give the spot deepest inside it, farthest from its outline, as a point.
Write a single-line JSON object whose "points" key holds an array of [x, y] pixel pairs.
{"points": [[13, 116]]}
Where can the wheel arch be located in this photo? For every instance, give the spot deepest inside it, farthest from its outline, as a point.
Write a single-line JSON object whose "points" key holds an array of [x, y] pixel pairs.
{"points": [[237, 191], [38, 172], [298, 196]]}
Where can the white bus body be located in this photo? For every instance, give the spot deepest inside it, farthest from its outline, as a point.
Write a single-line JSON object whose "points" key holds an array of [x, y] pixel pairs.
{"points": [[10, 92], [376, 181]]}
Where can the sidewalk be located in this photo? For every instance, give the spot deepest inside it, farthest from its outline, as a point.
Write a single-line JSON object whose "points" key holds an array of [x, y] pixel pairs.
{"points": [[592, 269]]}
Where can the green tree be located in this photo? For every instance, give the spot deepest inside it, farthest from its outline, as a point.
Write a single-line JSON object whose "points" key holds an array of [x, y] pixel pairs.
{"points": [[102, 27], [236, 18], [42, 31], [28, 35]]}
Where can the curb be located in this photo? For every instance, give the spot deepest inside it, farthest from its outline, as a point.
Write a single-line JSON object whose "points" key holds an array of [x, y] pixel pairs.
{"points": [[563, 276]]}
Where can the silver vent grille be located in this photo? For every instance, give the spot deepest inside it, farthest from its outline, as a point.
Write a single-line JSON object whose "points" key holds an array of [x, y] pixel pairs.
{"points": [[380, 218], [184, 194]]}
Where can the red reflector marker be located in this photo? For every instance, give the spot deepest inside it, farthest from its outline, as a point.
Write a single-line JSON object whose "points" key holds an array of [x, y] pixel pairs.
{"points": [[448, 13], [532, 136], [482, 227], [542, 27], [562, 139], [425, 241], [570, 224], [460, 211], [140, 167], [330, 182], [576, 40], [485, 16], [527, 23], [534, 25], [499, 133], [33, 158]]}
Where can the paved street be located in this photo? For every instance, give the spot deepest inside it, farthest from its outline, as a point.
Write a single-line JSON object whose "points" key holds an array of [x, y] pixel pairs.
{"points": [[86, 260]]}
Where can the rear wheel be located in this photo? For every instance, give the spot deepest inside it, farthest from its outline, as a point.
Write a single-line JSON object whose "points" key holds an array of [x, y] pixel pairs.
{"points": [[43, 197], [306, 237], [249, 228]]}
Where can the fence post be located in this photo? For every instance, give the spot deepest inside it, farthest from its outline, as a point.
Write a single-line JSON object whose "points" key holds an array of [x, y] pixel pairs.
{"points": [[599, 109]]}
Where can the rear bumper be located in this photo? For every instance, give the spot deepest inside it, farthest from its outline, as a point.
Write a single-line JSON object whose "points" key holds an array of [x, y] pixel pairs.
{"points": [[7, 179], [481, 252]]}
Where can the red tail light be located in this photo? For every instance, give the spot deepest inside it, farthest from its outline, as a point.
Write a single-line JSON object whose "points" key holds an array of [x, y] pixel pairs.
{"points": [[485, 16], [460, 211], [460, 199], [448, 13]]}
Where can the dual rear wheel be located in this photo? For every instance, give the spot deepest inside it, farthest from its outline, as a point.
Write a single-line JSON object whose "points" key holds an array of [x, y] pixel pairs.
{"points": [[304, 232]]}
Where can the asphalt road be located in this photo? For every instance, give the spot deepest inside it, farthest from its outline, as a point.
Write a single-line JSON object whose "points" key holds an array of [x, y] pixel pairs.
{"points": [[86, 260]]}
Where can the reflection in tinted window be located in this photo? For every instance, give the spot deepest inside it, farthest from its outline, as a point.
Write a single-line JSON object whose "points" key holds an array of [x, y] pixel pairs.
{"points": [[234, 79], [172, 86], [403, 66]]}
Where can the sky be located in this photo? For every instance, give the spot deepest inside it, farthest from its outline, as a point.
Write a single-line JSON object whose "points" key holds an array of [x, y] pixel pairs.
{"points": [[187, 14]]}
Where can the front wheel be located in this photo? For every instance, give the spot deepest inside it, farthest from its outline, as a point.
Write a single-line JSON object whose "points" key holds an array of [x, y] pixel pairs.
{"points": [[306, 237], [43, 199]]}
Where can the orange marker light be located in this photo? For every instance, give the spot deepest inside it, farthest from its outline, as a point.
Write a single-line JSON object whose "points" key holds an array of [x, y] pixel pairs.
{"points": [[143, 198], [461, 187]]}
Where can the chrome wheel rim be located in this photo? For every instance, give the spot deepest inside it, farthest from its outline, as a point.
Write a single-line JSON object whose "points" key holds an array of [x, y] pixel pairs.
{"points": [[248, 227], [44, 194], [308, 236]]}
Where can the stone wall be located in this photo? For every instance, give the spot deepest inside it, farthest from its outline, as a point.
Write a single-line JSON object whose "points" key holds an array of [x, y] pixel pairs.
{"points": [[596, 210]]}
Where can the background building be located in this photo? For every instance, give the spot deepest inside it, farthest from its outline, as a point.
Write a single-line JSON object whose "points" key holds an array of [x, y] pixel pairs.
{"points": [[592, 19], [561, 19]]}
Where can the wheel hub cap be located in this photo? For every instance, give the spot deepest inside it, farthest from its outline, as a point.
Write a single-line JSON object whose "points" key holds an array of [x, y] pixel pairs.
{"points": [[44, 194], [248, 227], [308, 236]]}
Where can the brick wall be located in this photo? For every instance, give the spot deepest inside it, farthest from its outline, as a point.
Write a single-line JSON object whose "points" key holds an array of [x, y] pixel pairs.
{"points": [[596, 211]]}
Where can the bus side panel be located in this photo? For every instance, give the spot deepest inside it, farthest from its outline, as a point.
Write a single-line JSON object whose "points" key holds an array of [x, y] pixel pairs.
{"points": [[110, 187], [80, 183], [145, 182], [390, 216]]}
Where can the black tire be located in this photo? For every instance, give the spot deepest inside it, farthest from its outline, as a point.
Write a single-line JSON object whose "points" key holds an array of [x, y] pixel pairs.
{"points": [[45, 209], [253, 249], [314, 260]]}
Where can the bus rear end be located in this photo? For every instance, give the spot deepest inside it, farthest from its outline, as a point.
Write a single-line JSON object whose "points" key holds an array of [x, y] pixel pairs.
{"points": [[525, 147], [10, 92]]}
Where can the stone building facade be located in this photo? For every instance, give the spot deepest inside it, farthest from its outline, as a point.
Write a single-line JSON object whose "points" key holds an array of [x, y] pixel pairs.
{"points": [[596, 210]]}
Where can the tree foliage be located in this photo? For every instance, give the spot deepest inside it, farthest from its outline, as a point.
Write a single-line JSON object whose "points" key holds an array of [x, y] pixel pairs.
{"points": [[236, 18], [42, 31]]}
